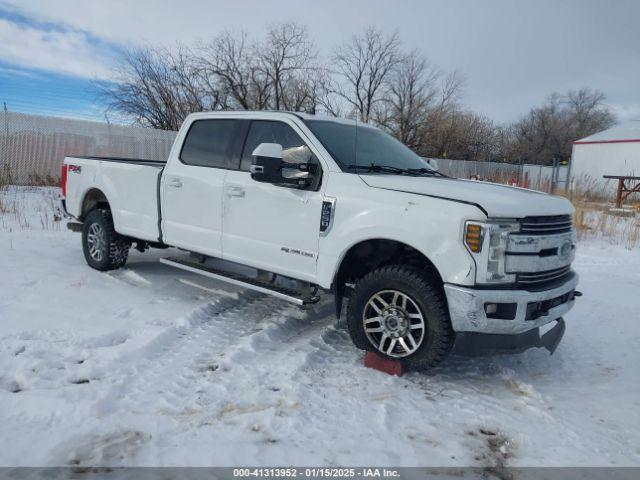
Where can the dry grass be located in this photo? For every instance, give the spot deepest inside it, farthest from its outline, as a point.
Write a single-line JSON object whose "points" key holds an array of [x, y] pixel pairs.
{"points": [[595, 217], [35, 179], [6, 177], [15, 213]]}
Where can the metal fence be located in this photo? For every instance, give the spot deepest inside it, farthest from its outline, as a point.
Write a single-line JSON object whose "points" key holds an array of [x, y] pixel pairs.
{"points": [[537, 177], [32, 147]]}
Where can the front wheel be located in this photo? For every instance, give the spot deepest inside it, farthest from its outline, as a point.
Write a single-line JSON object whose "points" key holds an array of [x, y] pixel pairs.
{"points": [[104, 249], [400, 313]]}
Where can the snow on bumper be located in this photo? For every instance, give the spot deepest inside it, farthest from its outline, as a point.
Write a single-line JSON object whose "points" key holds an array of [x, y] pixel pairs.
{"points": [[467, 307]]}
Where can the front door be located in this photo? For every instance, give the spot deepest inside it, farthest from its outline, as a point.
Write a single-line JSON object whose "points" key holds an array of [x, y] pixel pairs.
{"points": [[272, 227], [192, 185]]}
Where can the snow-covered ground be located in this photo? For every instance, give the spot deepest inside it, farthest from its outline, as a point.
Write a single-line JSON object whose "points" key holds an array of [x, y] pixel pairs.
{"points": [[135, 368]]}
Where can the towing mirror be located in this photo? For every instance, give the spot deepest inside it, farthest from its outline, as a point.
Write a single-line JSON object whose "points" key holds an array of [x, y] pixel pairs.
{"points": [[267, 166]]}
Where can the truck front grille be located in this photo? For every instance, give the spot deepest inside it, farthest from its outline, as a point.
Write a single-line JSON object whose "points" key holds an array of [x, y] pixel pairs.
{"points": [[539, 278], [546, 225]]}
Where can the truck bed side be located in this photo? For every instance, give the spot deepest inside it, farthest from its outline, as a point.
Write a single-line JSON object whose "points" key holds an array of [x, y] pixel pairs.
{"points": [[129, 186]]}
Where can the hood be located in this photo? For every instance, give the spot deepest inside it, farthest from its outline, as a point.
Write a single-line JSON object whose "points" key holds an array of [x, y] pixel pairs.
{"points": [[498, 201]]}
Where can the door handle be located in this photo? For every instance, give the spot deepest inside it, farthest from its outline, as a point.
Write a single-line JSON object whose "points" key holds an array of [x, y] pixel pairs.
{"points": [[175, 182], [235, 192]]}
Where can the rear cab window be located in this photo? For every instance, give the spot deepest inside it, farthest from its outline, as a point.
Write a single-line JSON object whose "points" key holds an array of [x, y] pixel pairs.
{"points": [[214, 143]]}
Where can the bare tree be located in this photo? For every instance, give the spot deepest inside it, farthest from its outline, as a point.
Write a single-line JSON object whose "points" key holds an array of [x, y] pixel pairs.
{"points": [[286, 59], [461, 135], [279, 72], [440, 127], [547, 132], [410, 94], [588, 114], [371, 78], [227, 63], [365, 63], [158, 88]]}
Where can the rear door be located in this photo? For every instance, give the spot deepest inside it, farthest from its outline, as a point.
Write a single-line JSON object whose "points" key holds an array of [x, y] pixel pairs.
{"points": [[193, 181], [272, 227]]}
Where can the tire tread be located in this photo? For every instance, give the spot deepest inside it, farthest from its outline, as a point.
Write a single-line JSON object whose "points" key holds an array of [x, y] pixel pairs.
{"points": [[439, 326], [118, 245]]}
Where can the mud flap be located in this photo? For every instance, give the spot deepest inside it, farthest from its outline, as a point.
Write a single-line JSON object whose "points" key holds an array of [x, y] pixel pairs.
{"points": [[473, 344]]}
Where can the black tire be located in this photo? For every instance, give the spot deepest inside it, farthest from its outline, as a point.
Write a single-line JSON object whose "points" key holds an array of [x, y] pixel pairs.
{"points": [[111, 250], [436, 337]]}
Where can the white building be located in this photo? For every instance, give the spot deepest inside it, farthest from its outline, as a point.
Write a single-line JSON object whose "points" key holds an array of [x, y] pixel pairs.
{"points": [[615, 151]]}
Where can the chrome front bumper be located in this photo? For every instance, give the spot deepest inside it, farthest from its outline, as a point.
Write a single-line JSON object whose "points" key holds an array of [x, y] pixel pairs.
{"points": [[467, 308]]}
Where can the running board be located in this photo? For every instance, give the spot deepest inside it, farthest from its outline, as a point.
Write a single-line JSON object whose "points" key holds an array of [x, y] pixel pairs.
{"points": [[283, 293]]}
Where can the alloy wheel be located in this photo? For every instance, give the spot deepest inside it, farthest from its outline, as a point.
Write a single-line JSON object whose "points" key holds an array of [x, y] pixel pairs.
{"points": [[393, 323]]}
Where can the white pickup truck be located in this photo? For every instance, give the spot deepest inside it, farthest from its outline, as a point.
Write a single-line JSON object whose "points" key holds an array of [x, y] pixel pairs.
{"points": [[316, 204]]}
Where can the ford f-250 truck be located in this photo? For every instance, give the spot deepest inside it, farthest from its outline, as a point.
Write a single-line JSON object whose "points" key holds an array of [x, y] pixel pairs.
{"points": [[319, 204]]}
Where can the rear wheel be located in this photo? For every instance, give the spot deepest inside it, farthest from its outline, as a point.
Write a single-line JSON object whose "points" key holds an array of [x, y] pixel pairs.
{"points": [[104, 249], [401, 314]]}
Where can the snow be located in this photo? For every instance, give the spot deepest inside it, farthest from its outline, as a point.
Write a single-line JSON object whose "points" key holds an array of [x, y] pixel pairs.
{"points": [[136, 367], [626, 131]]}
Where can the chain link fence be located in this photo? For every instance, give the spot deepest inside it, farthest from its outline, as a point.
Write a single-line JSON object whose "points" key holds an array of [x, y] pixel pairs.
{"points": [[32, 147]]}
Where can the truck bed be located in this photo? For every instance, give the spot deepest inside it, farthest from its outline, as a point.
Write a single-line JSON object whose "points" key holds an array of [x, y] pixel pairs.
{"points": [[130, 185], [134, 161]]}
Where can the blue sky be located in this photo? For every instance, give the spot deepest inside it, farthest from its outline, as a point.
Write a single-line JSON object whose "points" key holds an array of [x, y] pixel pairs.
{"points": [[51, 68], [513, 53], [49, 93]]}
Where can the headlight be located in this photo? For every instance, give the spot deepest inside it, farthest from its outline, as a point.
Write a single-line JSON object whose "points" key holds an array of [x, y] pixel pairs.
{"points": [[487, 242]]}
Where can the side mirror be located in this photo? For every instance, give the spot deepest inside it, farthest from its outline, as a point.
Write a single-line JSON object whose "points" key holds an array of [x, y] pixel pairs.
{"points": [[268, 167]]}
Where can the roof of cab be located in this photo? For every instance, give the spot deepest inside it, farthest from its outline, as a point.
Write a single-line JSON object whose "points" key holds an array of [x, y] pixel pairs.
{"points": [[263, 113]]}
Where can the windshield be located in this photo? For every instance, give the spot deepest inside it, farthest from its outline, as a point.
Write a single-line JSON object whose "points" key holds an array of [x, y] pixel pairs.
{"points": [[373, 146]]}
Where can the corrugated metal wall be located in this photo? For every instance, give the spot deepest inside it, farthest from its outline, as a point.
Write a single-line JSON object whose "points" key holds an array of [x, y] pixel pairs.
{"points": [[593, 160], [34, 146]]}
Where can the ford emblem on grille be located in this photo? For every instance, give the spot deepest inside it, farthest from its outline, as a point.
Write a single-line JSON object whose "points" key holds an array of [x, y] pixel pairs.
{"points": [[565, 249]]}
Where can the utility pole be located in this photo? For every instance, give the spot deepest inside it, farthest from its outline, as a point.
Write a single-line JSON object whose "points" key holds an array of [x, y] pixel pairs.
{"points": [[6, 119], [5, 143]]}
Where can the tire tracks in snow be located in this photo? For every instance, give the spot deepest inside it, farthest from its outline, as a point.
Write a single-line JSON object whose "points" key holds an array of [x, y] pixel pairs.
{"points": [[169, 377]]}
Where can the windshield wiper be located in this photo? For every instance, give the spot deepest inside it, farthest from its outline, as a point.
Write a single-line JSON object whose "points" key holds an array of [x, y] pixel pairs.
{"points": [[428, 171], [376, 168], [389, 169]]}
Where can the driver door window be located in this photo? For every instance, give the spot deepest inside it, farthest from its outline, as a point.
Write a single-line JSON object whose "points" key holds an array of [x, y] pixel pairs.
{"points": [[294, 150]]}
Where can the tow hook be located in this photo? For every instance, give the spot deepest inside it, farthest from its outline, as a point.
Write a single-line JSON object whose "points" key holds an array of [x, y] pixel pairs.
{"points": [[577, 294]]}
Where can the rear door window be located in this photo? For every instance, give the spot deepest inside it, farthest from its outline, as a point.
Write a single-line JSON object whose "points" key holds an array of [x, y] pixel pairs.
{"points": [[213, 143]]}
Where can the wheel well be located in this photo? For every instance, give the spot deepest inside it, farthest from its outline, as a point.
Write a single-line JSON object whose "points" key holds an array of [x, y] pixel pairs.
{"points": [[371, 254], [92, 199]]}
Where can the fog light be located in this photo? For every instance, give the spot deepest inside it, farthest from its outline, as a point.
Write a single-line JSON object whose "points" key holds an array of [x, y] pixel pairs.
{"points": [[501, 311]]}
